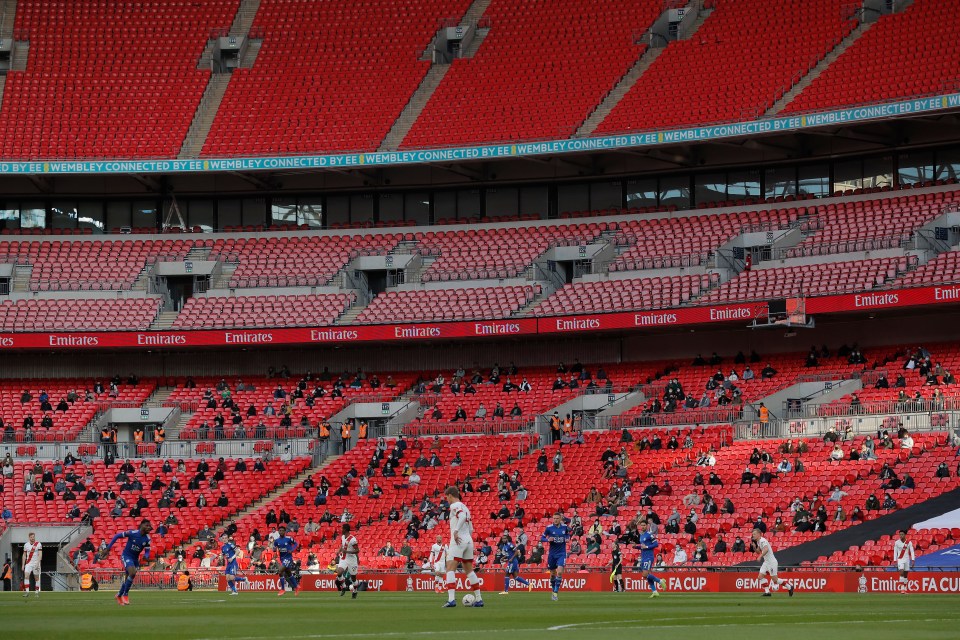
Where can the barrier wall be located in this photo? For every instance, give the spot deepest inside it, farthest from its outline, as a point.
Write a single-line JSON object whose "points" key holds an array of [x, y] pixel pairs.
{"points": [[677, 581]]}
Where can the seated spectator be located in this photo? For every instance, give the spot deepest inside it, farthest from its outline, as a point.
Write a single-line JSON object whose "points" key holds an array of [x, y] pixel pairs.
{"points": [[943, 471]]}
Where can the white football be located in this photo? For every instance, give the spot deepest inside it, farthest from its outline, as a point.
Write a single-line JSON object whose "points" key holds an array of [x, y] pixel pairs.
{"points": [[469, 599]]}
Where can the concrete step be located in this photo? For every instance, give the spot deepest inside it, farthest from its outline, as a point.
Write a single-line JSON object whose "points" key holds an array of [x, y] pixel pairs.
{"points": [[21, 50], [418, 101], [244, 18], [475, 11], [619, 90], [806, 80], [222, 281], [8, 15], [165, 320], [204, 116], [351, 314], [251, 53]]}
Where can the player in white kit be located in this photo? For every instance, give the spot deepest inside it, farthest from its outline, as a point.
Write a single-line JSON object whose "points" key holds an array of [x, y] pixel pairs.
{"points": [[348, 564], [461, 549], [32, 555], [437, 563], [768, 566], [904, 556]]}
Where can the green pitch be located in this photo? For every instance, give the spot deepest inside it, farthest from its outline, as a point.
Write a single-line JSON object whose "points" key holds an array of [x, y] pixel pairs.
{"points": [[208, 615]]}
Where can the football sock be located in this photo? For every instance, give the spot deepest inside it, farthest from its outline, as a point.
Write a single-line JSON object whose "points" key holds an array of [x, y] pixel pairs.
{"points": [[556, 584], [452, 585], [475, 581], [283, 583], [506, 584], [522, 581], [125, 587]]}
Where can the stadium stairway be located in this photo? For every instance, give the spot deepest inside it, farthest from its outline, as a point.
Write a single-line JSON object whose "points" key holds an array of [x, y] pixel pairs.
{"points": [[870, 530]]}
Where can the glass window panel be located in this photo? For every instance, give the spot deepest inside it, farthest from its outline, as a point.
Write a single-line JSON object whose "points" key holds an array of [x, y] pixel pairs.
{"points": [[710, 187], [606, 195], [9, 218], [573, 198], [254, 211], [535, 201], [915, 167], [780, 182], [814, 180], [283, 211], [468, 204], [145, 213], [338, 210], [361, 208], [675, 191], [391, 207], [416, 205], [743, 184], [878, 172], [118, 215], [200, 214], [63, 215], [444, 206], [503, 201], [229, 213], [641, 193], [848, 175], [948, 164], [310, 212], [33, 215], [90, 216]]}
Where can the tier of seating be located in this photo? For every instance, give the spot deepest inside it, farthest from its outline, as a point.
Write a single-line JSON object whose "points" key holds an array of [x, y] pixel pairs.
{"points": [[865, 225], [497, 252], [16, 412], [892, 60], [732, 59], [652, 243], [432, 305], [216, 312], [944, 269], [78, 314], [635, 293], [86, 264], [107, 80], [328, 77], [810, 280], [289, 261], [270, 407], [513, 91]]}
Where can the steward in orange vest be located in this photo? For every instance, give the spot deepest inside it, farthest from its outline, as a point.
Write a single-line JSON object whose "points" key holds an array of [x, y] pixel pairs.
{"points": [[345, 437], [362, 435]]}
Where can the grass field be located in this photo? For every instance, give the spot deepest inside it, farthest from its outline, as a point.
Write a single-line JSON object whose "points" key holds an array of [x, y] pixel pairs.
{"points": [[256, 616]]}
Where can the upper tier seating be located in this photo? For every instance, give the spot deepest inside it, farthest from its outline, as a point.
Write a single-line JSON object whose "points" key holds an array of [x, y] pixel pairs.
{"points": [[66, 424], [636, 293], [78, 314], [447, 304], [498, 252], [896, 58], [944, 269], [733, 69], [512, 91], [329, 76], [107, 79], [654, 243], [297, 260], [810, 280], [263, 311], [86, 264], [865, 225]]}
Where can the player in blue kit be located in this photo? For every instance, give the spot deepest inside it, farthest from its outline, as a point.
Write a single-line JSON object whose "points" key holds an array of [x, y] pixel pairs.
{"points": [[229, 551], [648, 542], [285, 547], [557, 535], [138, 541], [511, 558]]}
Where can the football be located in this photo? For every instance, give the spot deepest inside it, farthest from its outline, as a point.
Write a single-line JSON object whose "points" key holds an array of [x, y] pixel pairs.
{"points": [[469, 599]]}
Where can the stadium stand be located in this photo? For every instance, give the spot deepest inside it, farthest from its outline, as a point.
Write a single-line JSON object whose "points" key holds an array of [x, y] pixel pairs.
{"points": [[431, 305], [78, 314], [732, 59], [634, 293], [943, 269], [887, 62], [104, 80], [509, 90], [262, 311], [319, 82]]}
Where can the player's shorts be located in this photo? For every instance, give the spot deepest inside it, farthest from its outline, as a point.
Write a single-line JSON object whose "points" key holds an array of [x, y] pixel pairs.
{"points": [[232, 568], [287, 563], [556, 562], [439, 567], [348, 563], [903, 565], [646, 565], [129, 561], [33, 567], [513, 567], [768, 568], [462, 552]]}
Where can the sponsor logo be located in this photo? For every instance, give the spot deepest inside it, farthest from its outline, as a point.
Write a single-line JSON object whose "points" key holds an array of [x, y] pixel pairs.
{"points": [[322, 335], [416, 332], [800, 584], [736, 313], [247, 338], [876, 299], [653, 319], [151, 340], [6, 342], [502, 328], [578, 324], [74, 341], [946, 293]]}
